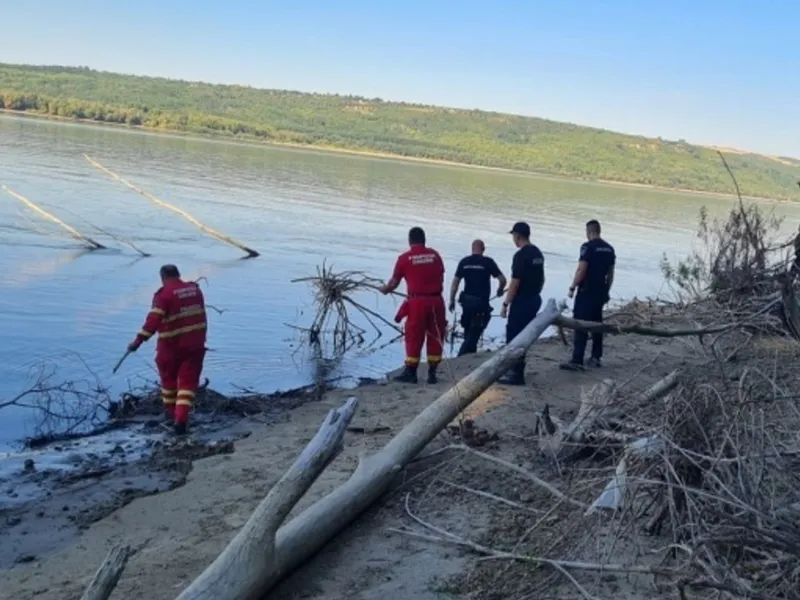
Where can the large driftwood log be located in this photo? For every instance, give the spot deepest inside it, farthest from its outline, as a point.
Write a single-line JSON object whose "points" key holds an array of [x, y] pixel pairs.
{"points": [[90, 243], [212, 232], [593, 327], [107, 576], [248, 563], [251, 565]]}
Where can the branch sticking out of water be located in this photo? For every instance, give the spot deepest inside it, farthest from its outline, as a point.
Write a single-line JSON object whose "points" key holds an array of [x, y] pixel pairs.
{"points": [[93, 245], [125, 241], [212, 232], [333, 297]]}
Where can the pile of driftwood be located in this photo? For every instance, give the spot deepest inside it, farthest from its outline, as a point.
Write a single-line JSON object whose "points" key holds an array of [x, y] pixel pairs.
{"points": [[707, 462]]}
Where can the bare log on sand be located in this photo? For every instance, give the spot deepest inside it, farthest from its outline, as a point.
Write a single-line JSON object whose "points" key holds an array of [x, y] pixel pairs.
{"points": [[593, 327], [212, 232], [258, 558], [107, 576], [251, 558], [90, 243]]}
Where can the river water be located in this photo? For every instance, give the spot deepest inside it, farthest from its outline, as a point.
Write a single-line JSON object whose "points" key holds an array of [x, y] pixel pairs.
{"points": [[73, 312]]}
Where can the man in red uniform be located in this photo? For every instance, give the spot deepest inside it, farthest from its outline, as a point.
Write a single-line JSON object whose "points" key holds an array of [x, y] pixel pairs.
{"points": [[423, 270], [178, 315]]}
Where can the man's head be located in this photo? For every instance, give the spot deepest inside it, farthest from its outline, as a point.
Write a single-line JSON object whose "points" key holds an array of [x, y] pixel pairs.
{"points": [[478, 247], [416, 235], [592, 229], [520, 233], [168, 272]]}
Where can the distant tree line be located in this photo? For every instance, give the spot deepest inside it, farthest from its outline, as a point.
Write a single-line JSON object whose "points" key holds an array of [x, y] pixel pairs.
{"points": [[355, 123]]}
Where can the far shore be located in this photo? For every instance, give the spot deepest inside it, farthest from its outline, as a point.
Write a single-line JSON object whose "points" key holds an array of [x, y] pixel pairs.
{"points": [[379, 155]]}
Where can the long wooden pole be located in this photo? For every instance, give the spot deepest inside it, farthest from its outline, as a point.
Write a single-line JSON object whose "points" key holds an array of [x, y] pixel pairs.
{"points": [[247, 570], [50, 217], [220, 236]]}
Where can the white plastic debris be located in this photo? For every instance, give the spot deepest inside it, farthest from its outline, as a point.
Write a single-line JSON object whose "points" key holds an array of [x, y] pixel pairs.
{"points": [[613, 495]]}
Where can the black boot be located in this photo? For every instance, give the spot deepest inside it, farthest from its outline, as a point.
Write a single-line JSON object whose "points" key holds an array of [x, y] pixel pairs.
{"points": [[180, 428], [515, 375], [432, 380], [512, 378], [571, 365], [409, 375]]}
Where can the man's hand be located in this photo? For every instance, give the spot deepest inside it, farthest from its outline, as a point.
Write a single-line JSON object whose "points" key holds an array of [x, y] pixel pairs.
{"points": [[133, 346], [500, 291], [504, 311], [571, 293], [452, 306], [384, 289]]}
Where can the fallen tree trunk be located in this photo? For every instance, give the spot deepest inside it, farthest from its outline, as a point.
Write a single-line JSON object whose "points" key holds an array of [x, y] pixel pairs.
{"points": [[107, 576], [248, 562], [593, 327], [90, 243], [250, 566], [212, 232]]}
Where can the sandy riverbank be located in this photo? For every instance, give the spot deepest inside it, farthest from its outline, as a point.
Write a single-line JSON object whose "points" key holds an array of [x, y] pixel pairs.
{"points": [[179, 531]]}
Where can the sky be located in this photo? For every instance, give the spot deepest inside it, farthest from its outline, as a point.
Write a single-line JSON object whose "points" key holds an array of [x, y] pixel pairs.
{"points": [[712, 72]]}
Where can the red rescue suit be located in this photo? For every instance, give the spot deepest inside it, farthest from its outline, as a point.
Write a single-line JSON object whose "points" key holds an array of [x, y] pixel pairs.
{"points": [[426, 323], [402, 312], [178, 315]]}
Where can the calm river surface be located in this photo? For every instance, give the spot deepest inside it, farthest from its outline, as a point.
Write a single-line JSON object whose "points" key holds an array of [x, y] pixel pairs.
{"points": [[67, 307]]}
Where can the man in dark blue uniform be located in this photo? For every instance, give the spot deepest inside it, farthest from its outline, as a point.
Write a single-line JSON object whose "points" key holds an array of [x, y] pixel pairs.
{"points": [[477, 271], [523, 299], [593, 279]]}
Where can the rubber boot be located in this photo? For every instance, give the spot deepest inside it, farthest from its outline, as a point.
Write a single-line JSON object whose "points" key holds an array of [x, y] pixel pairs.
{"points": [[409, 375], [515, 376], [181, 419], [432, 380]]}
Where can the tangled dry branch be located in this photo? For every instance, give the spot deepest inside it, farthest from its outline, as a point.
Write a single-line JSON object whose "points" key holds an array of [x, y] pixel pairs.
{"points": [[336, 305], [61, 408]]}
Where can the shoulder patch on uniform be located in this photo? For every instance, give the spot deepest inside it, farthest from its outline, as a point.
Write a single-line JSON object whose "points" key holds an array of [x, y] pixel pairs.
{"points": [[584, 249]]}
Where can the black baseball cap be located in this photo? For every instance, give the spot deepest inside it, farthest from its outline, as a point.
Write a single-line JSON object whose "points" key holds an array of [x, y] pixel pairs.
{"points": [[522, 228]]}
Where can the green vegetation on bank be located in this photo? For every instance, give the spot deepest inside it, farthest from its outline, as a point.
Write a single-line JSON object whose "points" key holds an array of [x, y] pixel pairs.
{"points": [[354, 123]]}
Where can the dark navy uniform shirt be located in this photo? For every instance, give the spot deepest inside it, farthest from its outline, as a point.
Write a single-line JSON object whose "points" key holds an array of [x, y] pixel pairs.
{"points": [[477, 271], [600, 257], [528, 268]]}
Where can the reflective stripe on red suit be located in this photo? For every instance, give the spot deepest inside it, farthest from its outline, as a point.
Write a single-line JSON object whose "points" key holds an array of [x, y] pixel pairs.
{"points": [[178, 315], [423, 270]]}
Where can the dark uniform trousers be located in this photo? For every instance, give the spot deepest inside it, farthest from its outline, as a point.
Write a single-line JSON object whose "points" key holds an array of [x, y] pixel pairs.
{"points": [[475, 315], [588, 307], [522, 311]]}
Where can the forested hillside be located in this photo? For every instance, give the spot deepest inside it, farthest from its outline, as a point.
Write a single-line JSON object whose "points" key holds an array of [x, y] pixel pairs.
{"points": [[354, 123]]}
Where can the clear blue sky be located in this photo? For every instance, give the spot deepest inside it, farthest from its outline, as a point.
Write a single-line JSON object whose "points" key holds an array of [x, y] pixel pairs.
{"points": [[709, 71]]}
